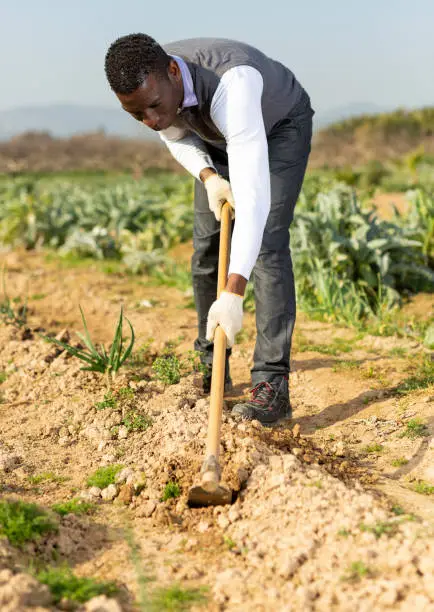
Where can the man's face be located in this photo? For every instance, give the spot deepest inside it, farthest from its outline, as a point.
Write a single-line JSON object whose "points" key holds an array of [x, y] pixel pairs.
{"points": [[155, 103]]}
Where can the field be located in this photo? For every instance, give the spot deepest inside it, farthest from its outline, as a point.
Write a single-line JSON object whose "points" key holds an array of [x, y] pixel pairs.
{"points": [[333, 511]]}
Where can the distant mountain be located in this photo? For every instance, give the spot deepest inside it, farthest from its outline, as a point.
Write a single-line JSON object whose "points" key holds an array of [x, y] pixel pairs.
{"points": [[64, 120]]}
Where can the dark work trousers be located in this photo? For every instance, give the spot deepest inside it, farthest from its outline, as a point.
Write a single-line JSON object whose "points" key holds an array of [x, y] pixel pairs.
{"points": [[288, 150]]}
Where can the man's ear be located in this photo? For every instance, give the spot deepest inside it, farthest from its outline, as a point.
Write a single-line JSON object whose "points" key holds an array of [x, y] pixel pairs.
{"points": [[173, 71]]}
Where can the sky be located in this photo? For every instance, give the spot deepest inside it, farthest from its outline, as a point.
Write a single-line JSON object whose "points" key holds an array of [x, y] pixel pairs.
{"points": [[343, 52]]}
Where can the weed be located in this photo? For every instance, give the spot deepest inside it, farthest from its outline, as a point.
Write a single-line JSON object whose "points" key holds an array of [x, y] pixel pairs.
{"points": [[106, 363], [176, 598], [46, 477], [422, 377], [109, 401], [63, 584], [21, 522], [126, 393], [104, 476], [398, 510], [316, 483], [414, 429], [424, 488], [356, 571], [366, 400], [143, 356], [344, 533], [336, 346], [134, 421], [74, 506], [171, 491], [373, 448], [399, 462], [398, 351], [167, 369], [9, 314], [383, 527], [229, 542], [345, 365]]}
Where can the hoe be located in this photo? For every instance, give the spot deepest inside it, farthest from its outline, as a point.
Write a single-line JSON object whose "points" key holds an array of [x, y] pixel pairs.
{"points": [[210, 492]]}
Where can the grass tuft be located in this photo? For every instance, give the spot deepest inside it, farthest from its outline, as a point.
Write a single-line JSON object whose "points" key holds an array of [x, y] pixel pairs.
{"points": [[74, 506], [104, 476], [424, 488], [399, 462], [356, 571], [134, 421], [63, 584], [171, 491], [381, 528], [22, 522], [175, 598], [373, 448], [415, 429]]}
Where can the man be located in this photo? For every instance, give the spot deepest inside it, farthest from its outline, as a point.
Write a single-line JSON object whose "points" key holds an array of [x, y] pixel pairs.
{"points": [[241, 124]]}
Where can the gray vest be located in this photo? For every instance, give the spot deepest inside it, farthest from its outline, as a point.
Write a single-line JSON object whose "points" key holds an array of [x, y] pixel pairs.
{"points": [[208, 59]]}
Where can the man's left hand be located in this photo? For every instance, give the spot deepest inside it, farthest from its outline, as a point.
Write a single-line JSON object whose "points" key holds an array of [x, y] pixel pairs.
{"points": [[226, 311]]}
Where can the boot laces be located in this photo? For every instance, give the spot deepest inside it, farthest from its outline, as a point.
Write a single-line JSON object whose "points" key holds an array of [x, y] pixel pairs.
{"points": [[261, 393]]}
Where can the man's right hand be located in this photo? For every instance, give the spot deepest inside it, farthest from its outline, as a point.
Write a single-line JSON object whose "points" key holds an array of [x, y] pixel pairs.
{"points": [[219, 191]]}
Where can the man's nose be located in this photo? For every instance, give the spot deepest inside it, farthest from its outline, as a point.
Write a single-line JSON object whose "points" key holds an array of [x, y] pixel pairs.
{"points": [[150, 118]]}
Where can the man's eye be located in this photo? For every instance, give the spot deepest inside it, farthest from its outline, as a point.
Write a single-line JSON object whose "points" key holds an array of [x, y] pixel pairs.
{"points": [[154, 105]]}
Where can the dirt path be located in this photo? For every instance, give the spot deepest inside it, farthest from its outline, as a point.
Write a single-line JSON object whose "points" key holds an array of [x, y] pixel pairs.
{"points": [[323, 518]]}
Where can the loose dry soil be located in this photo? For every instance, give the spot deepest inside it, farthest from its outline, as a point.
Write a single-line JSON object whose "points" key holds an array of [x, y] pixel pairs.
{"points": [[314, 525]]}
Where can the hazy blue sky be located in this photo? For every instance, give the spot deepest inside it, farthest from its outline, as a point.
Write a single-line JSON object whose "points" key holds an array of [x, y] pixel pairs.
{"points": [[343, 51]]}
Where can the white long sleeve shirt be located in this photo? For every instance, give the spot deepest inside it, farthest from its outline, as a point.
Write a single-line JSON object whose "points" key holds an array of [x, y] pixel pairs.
{"points": [[237, 113]]}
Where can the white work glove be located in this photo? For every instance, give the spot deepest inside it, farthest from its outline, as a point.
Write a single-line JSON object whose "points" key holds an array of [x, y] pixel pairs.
{"points": [[219, 191], [227, 312]]}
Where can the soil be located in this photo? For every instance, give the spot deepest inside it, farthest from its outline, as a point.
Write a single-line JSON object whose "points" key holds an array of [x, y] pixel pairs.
{"points": [[321, 519]]}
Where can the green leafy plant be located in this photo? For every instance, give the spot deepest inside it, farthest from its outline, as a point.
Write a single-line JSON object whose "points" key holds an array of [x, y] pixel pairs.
{"points": [[100, 361], [135, 421], [399, 462], [171, 490], [21, 522], [414, 429], [10, 314], [373, 448], [74, 506], [167, 369], [109, 401], [176, 599], [424, 488], [63, 584], [422, 378], [104, 476], [46, 477], [356, 571], [381, 528]]}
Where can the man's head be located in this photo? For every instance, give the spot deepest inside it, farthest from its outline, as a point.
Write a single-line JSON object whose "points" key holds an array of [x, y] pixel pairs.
{"points": [[146, 80]]}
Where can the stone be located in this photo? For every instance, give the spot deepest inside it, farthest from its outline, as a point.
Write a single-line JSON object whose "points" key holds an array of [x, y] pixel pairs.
{"points": [[126, 494], [8, 461], [95, 491], [109, 493], [223, 521], [122, 433], [203, 526], [102, 604], [147, 509], [123, 475]]}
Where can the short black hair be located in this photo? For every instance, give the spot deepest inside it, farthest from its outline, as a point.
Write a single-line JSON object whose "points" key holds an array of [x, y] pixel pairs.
{"points": [[130, 59]]}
